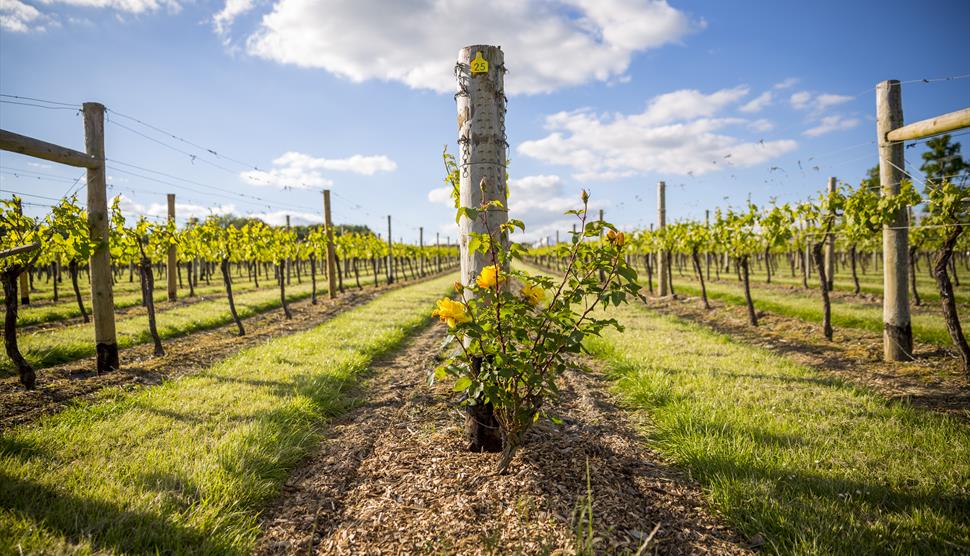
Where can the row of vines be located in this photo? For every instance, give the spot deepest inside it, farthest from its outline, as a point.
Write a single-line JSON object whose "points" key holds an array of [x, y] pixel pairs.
{"points": [[849, 221], [241, 250]]}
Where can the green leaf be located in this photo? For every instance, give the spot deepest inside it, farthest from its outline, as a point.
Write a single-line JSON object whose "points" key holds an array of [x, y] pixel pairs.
{"points": [[462, 384]]}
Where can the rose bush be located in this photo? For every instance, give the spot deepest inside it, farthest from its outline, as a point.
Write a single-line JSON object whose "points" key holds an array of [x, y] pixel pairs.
{"points": [[515, 331]]}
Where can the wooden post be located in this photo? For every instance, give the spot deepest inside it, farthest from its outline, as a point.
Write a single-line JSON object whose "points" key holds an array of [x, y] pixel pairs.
{"points": [[331, 248], [482, 143], [480, 99], [390, 253], [437, 251], [707, 225], [172, 257], [286, 262], [830, 248], [557, 237], [102, 296], [662, 261], [421, 250], [897, 328]]}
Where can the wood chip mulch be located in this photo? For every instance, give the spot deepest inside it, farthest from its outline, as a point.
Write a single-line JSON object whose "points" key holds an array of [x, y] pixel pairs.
{"points": [[60, 385], [393, 478], [933, 381]]}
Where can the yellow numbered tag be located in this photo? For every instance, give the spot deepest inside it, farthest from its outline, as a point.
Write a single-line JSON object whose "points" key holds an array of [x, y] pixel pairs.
{"points": [[479, 64]]}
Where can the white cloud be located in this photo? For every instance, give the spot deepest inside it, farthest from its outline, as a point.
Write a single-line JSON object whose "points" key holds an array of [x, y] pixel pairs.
{"points": [[830, 124], [278, 218], [182, 210], [296, 170], [828, 100], [18, 17], [818, 103], [676, 134], [786, 84], [127, 6], [758, 103], [548, 44], [761, 125], [222, 21], [190, 210], [800, 99], [358, 164], [539, 201], [441, 196]]}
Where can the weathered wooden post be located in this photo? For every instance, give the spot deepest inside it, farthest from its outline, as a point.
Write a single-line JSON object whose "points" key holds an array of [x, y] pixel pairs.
{"points": [[390, 253], [897, 328], [830, 248], [331, 248], [482, 143], [172, 256], [707, 255], [662, 261], [421, 250], [286, 262], [437, 250], [102, 297]]}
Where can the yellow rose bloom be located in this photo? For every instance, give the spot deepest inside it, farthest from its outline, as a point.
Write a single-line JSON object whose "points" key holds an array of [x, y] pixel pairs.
{"points": [[451, 312], [489, 277], [534, 294]]}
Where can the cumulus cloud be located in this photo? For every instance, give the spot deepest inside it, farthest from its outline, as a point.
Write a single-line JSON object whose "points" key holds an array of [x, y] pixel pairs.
{"points": [[761, 125], [441, 196], [18, 17], [800, 99], [127, 6], [278, 218], [758, 103], [189, 210], [548, 44], [223, 20], [183, 210], [803, 100], [786, 84], [829, 124], [677, 133], [296, 170], [539, 201]]}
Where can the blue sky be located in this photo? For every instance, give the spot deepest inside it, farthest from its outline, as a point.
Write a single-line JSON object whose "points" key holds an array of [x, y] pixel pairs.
{"points": [[720, 99]]}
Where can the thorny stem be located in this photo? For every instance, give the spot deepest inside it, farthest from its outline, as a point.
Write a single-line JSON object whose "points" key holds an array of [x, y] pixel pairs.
{"points": [[565, 279], [498, 296]]}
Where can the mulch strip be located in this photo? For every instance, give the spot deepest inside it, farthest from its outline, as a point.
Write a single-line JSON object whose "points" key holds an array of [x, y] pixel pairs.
{"points": [[60, 385], [393, 477], [933, 381]]}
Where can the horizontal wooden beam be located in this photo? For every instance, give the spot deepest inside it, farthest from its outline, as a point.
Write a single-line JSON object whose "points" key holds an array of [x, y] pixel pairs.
{"points": [[932, 126], [18, 250], [29, 146]]}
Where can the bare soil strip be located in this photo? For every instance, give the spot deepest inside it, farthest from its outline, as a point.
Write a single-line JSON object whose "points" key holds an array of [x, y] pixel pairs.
{"points": [[62, 384], [933, 381], [393, 478]]}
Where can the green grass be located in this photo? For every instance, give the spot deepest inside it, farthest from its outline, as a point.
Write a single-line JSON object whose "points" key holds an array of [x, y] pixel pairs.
{"points": [[186, 466], [43, 348], [806, 305], [815, 465]]}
